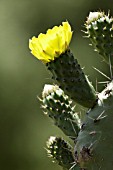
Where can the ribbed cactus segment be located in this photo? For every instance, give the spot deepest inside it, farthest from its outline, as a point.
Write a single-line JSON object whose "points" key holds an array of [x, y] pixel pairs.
{"points": [[61, 152], [100, 31], [94, 147], [59, 108], [70, 76]]}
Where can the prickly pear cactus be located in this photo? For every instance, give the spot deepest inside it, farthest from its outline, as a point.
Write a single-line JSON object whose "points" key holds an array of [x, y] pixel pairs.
{"points": [[59, 108], [99, 29], [91, 134], [66, 71]]}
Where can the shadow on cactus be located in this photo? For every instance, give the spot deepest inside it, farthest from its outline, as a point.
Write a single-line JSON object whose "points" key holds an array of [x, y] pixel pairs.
{"points": [[91, 135]]}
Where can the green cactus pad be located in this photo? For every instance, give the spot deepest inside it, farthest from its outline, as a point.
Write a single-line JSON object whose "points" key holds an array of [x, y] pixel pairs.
{"points": [[94, 147], [61, 152], [70, 77], [58, 107], [100, 31]]}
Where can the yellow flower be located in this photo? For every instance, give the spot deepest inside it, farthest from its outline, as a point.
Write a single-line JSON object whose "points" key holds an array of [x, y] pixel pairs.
{"points": [[51, 45]]}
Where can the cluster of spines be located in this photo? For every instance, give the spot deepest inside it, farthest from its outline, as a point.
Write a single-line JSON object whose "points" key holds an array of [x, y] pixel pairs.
{"points": [[71, 78]]}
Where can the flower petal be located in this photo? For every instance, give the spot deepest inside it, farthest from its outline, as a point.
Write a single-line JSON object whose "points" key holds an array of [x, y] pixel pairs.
{"points": [[52, 44]]}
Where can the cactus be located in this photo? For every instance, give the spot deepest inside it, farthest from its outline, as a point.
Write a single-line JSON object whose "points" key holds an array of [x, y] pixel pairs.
{"points": [[99, 29], [91, 133], [60, 151], [59, 107]]}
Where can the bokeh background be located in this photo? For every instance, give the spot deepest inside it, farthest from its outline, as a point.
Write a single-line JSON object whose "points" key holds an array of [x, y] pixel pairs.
{"points": [[23, 127]]}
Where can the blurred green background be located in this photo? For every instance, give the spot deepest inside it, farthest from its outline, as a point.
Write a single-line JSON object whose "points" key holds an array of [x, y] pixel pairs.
{"points": [[23, 127]]}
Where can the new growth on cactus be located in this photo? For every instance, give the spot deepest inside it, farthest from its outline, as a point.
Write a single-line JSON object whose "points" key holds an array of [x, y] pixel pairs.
{"points": [[92, 134], [99, 29], [59, 107]]}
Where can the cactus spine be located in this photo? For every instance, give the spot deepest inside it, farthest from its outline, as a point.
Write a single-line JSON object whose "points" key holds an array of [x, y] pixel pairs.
{"points": [[92, 146]]}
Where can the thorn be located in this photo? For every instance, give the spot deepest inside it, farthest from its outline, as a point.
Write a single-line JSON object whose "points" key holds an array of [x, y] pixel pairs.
{"points": [[73, 127], [110, 67], [92, 133], [39, 98], [90, 44], [72, 137], [86, 32], [96, 85], [85, 36], [95, 49], [102, 73], [74, 164], [90, 148], [100, 117], [103, 82]]}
